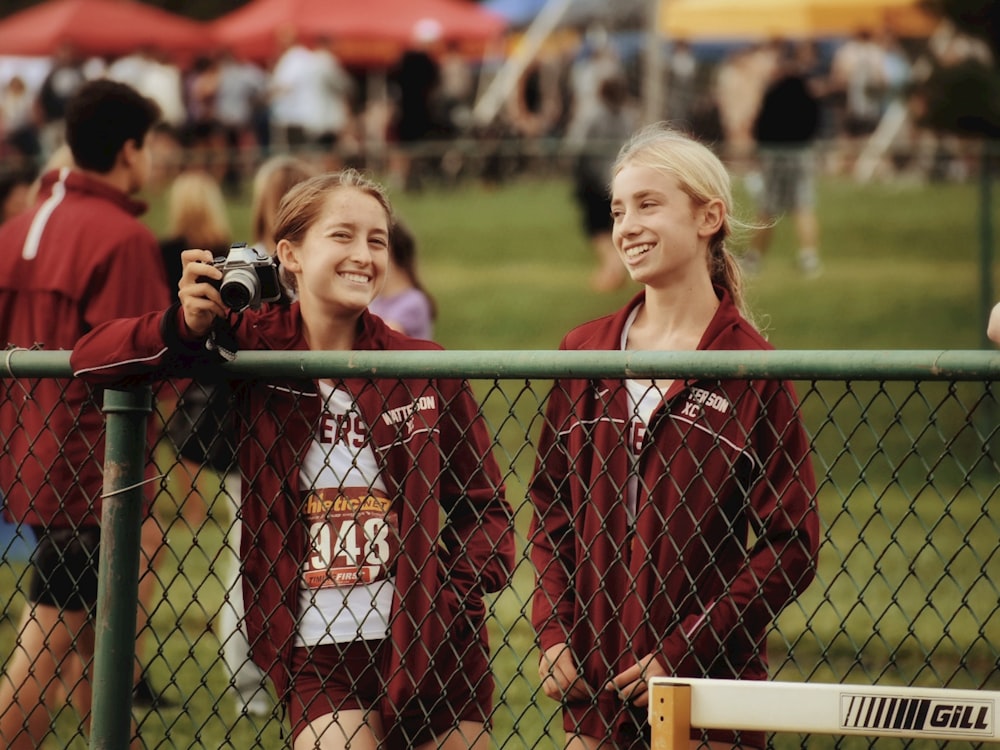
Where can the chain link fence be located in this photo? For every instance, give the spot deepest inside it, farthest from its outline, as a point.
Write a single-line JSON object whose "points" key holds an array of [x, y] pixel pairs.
{"points": [[907, 587]]}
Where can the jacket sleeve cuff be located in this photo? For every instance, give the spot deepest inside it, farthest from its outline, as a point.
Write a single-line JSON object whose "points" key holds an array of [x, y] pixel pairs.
{"points": [[551, 638], [677, 655], [179, 339]]}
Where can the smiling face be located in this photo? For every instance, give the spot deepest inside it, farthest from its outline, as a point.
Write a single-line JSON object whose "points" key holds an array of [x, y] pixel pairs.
{"points": [[340, 263], [661, 234]]}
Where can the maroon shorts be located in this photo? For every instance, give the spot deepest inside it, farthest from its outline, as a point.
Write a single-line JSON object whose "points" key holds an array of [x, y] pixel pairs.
{"points": [[331, 678]]}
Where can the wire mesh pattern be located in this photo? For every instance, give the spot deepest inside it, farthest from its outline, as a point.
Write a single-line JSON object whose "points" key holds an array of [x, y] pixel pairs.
{"points": [[906, 589]]}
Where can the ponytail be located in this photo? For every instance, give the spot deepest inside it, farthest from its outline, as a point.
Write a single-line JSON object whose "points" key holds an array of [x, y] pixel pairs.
{"points": [[726, 273]]}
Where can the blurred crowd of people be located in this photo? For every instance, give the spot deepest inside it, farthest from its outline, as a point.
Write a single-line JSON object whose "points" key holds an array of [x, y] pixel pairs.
{"points": [[228, 113], [779, 112]]}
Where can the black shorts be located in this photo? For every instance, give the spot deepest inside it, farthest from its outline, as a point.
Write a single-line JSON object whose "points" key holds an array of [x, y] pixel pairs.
{"points": [[64, 568]]}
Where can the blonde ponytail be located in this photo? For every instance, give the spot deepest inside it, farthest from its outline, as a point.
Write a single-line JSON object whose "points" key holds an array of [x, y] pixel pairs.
{"points": [[702, 175]]}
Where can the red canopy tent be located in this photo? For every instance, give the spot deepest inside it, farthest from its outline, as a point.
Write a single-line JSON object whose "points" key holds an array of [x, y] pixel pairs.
{"points": [[99, 27], [361, 32]]}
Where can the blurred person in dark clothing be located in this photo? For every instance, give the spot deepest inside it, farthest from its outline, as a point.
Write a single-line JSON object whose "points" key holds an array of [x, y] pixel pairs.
{"points": [[785, 131], [416, 78], [605, 128]]}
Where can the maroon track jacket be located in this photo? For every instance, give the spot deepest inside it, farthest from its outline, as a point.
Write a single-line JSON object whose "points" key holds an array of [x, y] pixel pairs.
{"points": [[436, 456], [725, 532], [78, 259]]}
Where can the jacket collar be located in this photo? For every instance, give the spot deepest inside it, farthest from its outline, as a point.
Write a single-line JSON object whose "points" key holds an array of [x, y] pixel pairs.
{"points": [[78, 181], [284, 331], [716, 336]]}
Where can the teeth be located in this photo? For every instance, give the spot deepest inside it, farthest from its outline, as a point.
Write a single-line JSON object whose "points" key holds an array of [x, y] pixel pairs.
{"points": [[355, 277], [638, 250]]}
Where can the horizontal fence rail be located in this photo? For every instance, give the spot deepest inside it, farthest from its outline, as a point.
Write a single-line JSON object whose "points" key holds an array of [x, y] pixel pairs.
{"points": [[906, 592], [963, 365]]}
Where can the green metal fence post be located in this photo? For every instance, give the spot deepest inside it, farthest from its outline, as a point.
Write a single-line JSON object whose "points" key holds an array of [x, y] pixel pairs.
{"points": [[118, 582]]}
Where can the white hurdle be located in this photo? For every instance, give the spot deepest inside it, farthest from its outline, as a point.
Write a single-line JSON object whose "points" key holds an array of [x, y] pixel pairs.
{"points": [[677, 704]]}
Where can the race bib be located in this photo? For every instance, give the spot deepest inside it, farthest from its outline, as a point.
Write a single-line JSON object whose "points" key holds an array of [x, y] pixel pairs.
{"points": [[353, 537]]}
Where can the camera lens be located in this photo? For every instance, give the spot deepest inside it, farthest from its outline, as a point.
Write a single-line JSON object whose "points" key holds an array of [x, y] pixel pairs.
{"points": [[239, 289]]}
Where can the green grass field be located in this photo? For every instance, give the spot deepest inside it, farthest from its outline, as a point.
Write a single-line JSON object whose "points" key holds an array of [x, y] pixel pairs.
{"points": [[509, 269]]}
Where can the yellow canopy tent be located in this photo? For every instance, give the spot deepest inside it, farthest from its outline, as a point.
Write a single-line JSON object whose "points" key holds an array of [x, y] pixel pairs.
{"points": [[750, 19]]}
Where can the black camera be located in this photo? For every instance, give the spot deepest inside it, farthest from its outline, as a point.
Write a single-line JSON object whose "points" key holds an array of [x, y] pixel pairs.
{"points": [[249, 278]]}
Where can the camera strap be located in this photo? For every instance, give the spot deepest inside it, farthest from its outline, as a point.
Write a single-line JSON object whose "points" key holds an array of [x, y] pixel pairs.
{"points": [[222, 341]]}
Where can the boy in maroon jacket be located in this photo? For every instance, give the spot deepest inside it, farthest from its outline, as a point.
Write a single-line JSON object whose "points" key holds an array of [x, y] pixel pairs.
{"points": [[78, 259]]}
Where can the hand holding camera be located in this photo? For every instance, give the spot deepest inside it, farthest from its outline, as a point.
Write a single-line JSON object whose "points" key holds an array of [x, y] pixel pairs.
{"points": [[249, 278], [245, 277]]}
